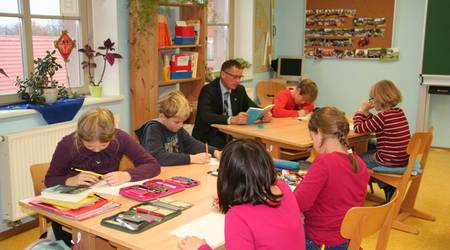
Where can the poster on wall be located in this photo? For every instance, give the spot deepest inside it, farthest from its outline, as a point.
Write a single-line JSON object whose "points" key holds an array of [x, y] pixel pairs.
{"points": [[350, 29]]}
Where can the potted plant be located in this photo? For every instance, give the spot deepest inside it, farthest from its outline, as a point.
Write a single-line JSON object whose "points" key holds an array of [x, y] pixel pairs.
{"points": [[107, 54], [40, 86]]}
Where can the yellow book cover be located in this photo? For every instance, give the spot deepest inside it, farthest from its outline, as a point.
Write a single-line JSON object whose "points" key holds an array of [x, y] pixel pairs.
{"points": [[65, 205], [194, 59]]}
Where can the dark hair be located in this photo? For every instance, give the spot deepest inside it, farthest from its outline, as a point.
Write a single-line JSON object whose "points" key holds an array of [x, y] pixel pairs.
{"points": [[330, 121], [246, 174], [229, 64]]}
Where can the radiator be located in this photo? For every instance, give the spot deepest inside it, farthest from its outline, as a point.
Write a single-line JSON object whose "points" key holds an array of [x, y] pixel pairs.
{"points": [[17, 152]]}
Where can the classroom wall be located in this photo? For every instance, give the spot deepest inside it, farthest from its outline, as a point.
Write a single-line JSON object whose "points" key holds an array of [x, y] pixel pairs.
{"points": [[122, 108], [346, 83]]}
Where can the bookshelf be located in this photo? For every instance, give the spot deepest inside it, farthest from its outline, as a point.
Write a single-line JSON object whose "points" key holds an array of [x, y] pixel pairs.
{"points": [[146, 73]]}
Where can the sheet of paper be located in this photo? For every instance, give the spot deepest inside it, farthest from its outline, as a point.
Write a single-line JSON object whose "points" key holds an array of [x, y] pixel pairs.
{"points": [[103, 188], [214, 162], [209, 227]]}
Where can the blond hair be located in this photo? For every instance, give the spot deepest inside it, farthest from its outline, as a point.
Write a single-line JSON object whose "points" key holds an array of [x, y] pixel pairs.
{"points": [[332, 122], [386, 93], [308, 88], [174, 104], [96, 125]]}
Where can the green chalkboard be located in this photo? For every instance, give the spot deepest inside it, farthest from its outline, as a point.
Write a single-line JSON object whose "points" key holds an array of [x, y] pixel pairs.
{"points": [[436, 54]]}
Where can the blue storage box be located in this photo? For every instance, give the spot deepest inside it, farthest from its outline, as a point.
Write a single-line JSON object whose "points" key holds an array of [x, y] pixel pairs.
{"points": [[180, 75], [184, 40]]}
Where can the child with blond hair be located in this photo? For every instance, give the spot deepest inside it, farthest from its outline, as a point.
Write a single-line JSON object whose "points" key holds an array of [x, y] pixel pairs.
{"points": [[167, 140]]}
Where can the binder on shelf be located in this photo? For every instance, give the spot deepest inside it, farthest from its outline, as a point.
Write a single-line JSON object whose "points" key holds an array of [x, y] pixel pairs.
{"points": [[184, 40], [194, 59], [196, 24], [163, 32], [181, 62], [176, 75], [184, 31]]}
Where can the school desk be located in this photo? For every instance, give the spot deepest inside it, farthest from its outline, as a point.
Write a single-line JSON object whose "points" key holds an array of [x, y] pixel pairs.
{"points": [[286, 133], [93, 235]]}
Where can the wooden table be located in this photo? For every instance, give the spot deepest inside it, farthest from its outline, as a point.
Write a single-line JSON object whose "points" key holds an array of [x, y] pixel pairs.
{"points": [[286, 133], [93, 235]]}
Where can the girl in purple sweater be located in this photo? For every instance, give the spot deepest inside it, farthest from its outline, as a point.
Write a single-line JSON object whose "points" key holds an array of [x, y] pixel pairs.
{"points": [[336, 181], [97, 146], [260, 212]]}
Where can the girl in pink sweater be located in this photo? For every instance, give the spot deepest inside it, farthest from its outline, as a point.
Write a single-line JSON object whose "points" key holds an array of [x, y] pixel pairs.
{"points": [[336, 181], [260, 212]]}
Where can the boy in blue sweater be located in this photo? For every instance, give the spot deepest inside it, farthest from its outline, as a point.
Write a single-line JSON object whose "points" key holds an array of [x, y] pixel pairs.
{"points": [[167, 140]]}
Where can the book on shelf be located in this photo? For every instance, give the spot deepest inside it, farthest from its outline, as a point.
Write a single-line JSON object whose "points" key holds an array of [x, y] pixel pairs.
{"points": [[66, 193], [188, 31], [164, 39], [255, 114], [196, 24], [181, 62], [194, 60], [99, 207]]}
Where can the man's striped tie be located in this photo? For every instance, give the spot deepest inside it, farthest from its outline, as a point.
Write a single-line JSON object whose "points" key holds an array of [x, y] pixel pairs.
{"points": [[225, 102]]}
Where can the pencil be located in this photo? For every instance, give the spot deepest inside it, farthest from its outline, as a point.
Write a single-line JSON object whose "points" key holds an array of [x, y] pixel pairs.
{"points": [[206, 150], [322, 247], [87, 172]]}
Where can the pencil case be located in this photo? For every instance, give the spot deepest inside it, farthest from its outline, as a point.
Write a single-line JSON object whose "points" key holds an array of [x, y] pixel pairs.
{"points": [[183, 181], [151, 190], [145, 215], [284, 164]]}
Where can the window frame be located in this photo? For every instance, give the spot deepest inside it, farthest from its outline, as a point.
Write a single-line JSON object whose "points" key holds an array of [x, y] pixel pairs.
{"points": [[24, 13], [230, 25]]}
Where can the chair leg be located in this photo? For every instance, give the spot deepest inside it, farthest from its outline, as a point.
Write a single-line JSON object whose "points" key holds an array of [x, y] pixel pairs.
{"points": [[405, 228], [405, 213]]}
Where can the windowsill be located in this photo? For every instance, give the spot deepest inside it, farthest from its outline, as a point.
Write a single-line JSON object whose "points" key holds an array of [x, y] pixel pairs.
{"points": [[247, 78], [88, 101]]}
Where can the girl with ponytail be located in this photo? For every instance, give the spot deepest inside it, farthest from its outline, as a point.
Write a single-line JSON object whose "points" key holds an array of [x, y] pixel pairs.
{"points": [[336, 181]]}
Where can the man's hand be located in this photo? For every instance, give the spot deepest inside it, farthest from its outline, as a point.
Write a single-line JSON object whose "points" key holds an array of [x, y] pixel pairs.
{"points": [[240, 118], [267, 117]]}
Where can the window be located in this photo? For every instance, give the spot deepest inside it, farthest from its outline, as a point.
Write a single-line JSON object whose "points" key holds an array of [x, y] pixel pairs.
{"points": [[219, 33], [28, 29]]}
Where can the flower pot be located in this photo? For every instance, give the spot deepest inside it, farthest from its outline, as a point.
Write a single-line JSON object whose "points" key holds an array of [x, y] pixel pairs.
{"points": [[96, 91], [50, 95]]}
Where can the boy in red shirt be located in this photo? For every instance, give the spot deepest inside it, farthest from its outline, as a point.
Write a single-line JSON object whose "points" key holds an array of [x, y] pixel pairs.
{"points": [[296, 102]]}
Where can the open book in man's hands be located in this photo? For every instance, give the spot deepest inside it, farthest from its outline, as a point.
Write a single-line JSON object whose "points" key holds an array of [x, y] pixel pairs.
{"points": [[257, 113]]}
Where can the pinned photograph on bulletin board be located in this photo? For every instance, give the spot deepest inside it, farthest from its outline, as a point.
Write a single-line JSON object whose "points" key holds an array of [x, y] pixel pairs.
{"points": [[348, 29]]}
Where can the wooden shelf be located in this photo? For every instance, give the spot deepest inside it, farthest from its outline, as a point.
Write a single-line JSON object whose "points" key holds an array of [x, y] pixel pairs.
{"points": [[171, 82], [181, 46]]}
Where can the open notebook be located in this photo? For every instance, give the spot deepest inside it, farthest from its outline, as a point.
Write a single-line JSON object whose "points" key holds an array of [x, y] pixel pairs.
{"points": [[209, 227]]}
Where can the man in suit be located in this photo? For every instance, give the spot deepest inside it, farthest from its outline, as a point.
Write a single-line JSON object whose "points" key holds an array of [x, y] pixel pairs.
{"points": [[222, 101]]}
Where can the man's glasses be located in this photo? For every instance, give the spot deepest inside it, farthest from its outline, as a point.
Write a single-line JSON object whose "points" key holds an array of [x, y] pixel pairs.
{"points": [[235, 77]]}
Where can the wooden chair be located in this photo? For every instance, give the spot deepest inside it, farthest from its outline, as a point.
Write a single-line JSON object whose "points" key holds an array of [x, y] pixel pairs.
{"points": [[38, 172], [418, 149], [360, 222], [266, 91]]}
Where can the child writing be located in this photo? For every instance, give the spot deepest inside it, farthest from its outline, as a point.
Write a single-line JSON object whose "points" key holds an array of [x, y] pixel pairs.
{"points": [[167, 140], [260, 212], [296, 102], [389, 124], [97, 146], [336, 181]]}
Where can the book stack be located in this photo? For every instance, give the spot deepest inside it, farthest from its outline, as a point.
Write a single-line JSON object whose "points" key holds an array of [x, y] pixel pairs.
{"points": [[163, 32], [77, 203], [186, 32]]}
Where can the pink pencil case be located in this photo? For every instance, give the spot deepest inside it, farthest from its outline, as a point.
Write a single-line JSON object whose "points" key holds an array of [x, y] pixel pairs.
{"points": [[151, 190], [183, 181]]}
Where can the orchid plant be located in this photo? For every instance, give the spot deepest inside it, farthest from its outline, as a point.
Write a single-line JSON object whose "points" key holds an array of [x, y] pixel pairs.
{"points": [[107, 54]]}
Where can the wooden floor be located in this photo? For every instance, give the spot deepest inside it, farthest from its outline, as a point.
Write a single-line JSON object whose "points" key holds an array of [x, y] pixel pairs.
{"points": [[433, 198]]}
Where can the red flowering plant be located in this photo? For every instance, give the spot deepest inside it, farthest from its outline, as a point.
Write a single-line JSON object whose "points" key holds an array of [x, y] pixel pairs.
{"points": [[106, 52]]}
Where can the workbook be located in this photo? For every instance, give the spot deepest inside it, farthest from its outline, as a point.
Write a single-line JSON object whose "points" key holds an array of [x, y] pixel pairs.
{"points": [[66, 193], [255, 114]]}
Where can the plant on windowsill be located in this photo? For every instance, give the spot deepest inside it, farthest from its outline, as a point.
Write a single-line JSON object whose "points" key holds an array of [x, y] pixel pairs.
{"points": [[244, 63], [108, 56], [39, 86]]}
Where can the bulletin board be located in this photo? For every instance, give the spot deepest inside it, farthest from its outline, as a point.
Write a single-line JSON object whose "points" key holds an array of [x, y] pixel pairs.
{"points": [[350, 29]]}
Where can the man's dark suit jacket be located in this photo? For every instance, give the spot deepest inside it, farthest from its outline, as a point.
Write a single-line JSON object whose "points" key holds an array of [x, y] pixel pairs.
{"points": [[210, 111]]}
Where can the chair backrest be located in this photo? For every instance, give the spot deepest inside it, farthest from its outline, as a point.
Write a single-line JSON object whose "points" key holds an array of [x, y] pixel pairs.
{"points": [[38, 172], [360, 222], [266, 91]]}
